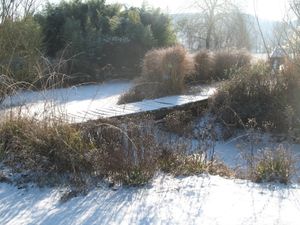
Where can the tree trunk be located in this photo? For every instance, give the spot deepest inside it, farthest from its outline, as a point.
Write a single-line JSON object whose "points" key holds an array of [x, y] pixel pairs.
{"points": [[208, 38]]}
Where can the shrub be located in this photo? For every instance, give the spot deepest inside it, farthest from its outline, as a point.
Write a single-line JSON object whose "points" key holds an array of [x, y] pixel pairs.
{"points": [[125, 152], [204, 66], [254, 92], [125, 155], [225, 60], [120, 151], [217, 65], [178, 163], [179, 122], [274, 165], [38, 146], [20, 47], [163, 74]]}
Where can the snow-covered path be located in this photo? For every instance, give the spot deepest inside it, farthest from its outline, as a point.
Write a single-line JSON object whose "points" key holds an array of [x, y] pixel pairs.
{"points": [[88, 102], [205, 200]]}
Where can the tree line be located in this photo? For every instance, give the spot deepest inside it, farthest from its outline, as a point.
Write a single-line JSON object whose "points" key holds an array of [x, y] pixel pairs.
{"points": [[95, 39]]}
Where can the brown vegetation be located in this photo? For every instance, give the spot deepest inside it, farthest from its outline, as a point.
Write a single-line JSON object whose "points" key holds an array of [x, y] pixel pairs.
{"points": [[256, 92], [163, 73], [274, 165], [120, 151], [225, 60]]}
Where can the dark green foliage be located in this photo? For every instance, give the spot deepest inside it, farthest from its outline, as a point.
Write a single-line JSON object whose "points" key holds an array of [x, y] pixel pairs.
{"points": [[95, 35]]}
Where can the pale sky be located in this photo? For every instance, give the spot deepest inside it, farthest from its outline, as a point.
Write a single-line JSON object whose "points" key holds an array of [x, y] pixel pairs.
{"points": [[267, 9]]}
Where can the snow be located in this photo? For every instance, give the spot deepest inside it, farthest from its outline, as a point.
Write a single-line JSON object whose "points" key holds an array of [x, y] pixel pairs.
{"points": [[78, 104], [205, 200], [231, 154]]}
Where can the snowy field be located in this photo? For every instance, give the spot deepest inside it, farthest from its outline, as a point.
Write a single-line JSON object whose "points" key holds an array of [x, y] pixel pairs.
{"points": [[89, 102], [205, 200]]}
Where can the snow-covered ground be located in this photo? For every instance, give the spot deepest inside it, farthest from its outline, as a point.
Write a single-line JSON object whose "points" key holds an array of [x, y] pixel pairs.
{"points": [[205, 200], [88, 102]]}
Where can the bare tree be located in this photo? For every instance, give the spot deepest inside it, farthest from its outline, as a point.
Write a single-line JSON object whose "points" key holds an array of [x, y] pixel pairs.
{"points": [[189, 30], [13, 9], [219, 24], [287, 33], [212, 11]]}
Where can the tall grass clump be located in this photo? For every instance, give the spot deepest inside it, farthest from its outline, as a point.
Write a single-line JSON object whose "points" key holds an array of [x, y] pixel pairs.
{"points": [[273, 165], [204, 66], [217, 65], [163, 73], [38, 146], [256, 92], [225, 60], [105, 149], [127, 152]]}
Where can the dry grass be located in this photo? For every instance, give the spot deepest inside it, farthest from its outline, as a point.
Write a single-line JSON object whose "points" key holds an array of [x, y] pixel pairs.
{"points": [[274, 165], [31, 145], [175, 161], [103, 149], [218, 65], [225, 60], [163, 73], [125, 152], [204, 66], [254, 92], [179, 122], [166, 71]]}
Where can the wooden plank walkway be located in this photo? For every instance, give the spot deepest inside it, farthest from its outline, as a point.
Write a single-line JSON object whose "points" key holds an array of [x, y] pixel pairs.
{"points": [[157, 107], [95, 101]]}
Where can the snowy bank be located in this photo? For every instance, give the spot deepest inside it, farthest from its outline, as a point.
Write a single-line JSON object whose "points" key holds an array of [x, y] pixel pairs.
{"points": [[204, 200]]}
